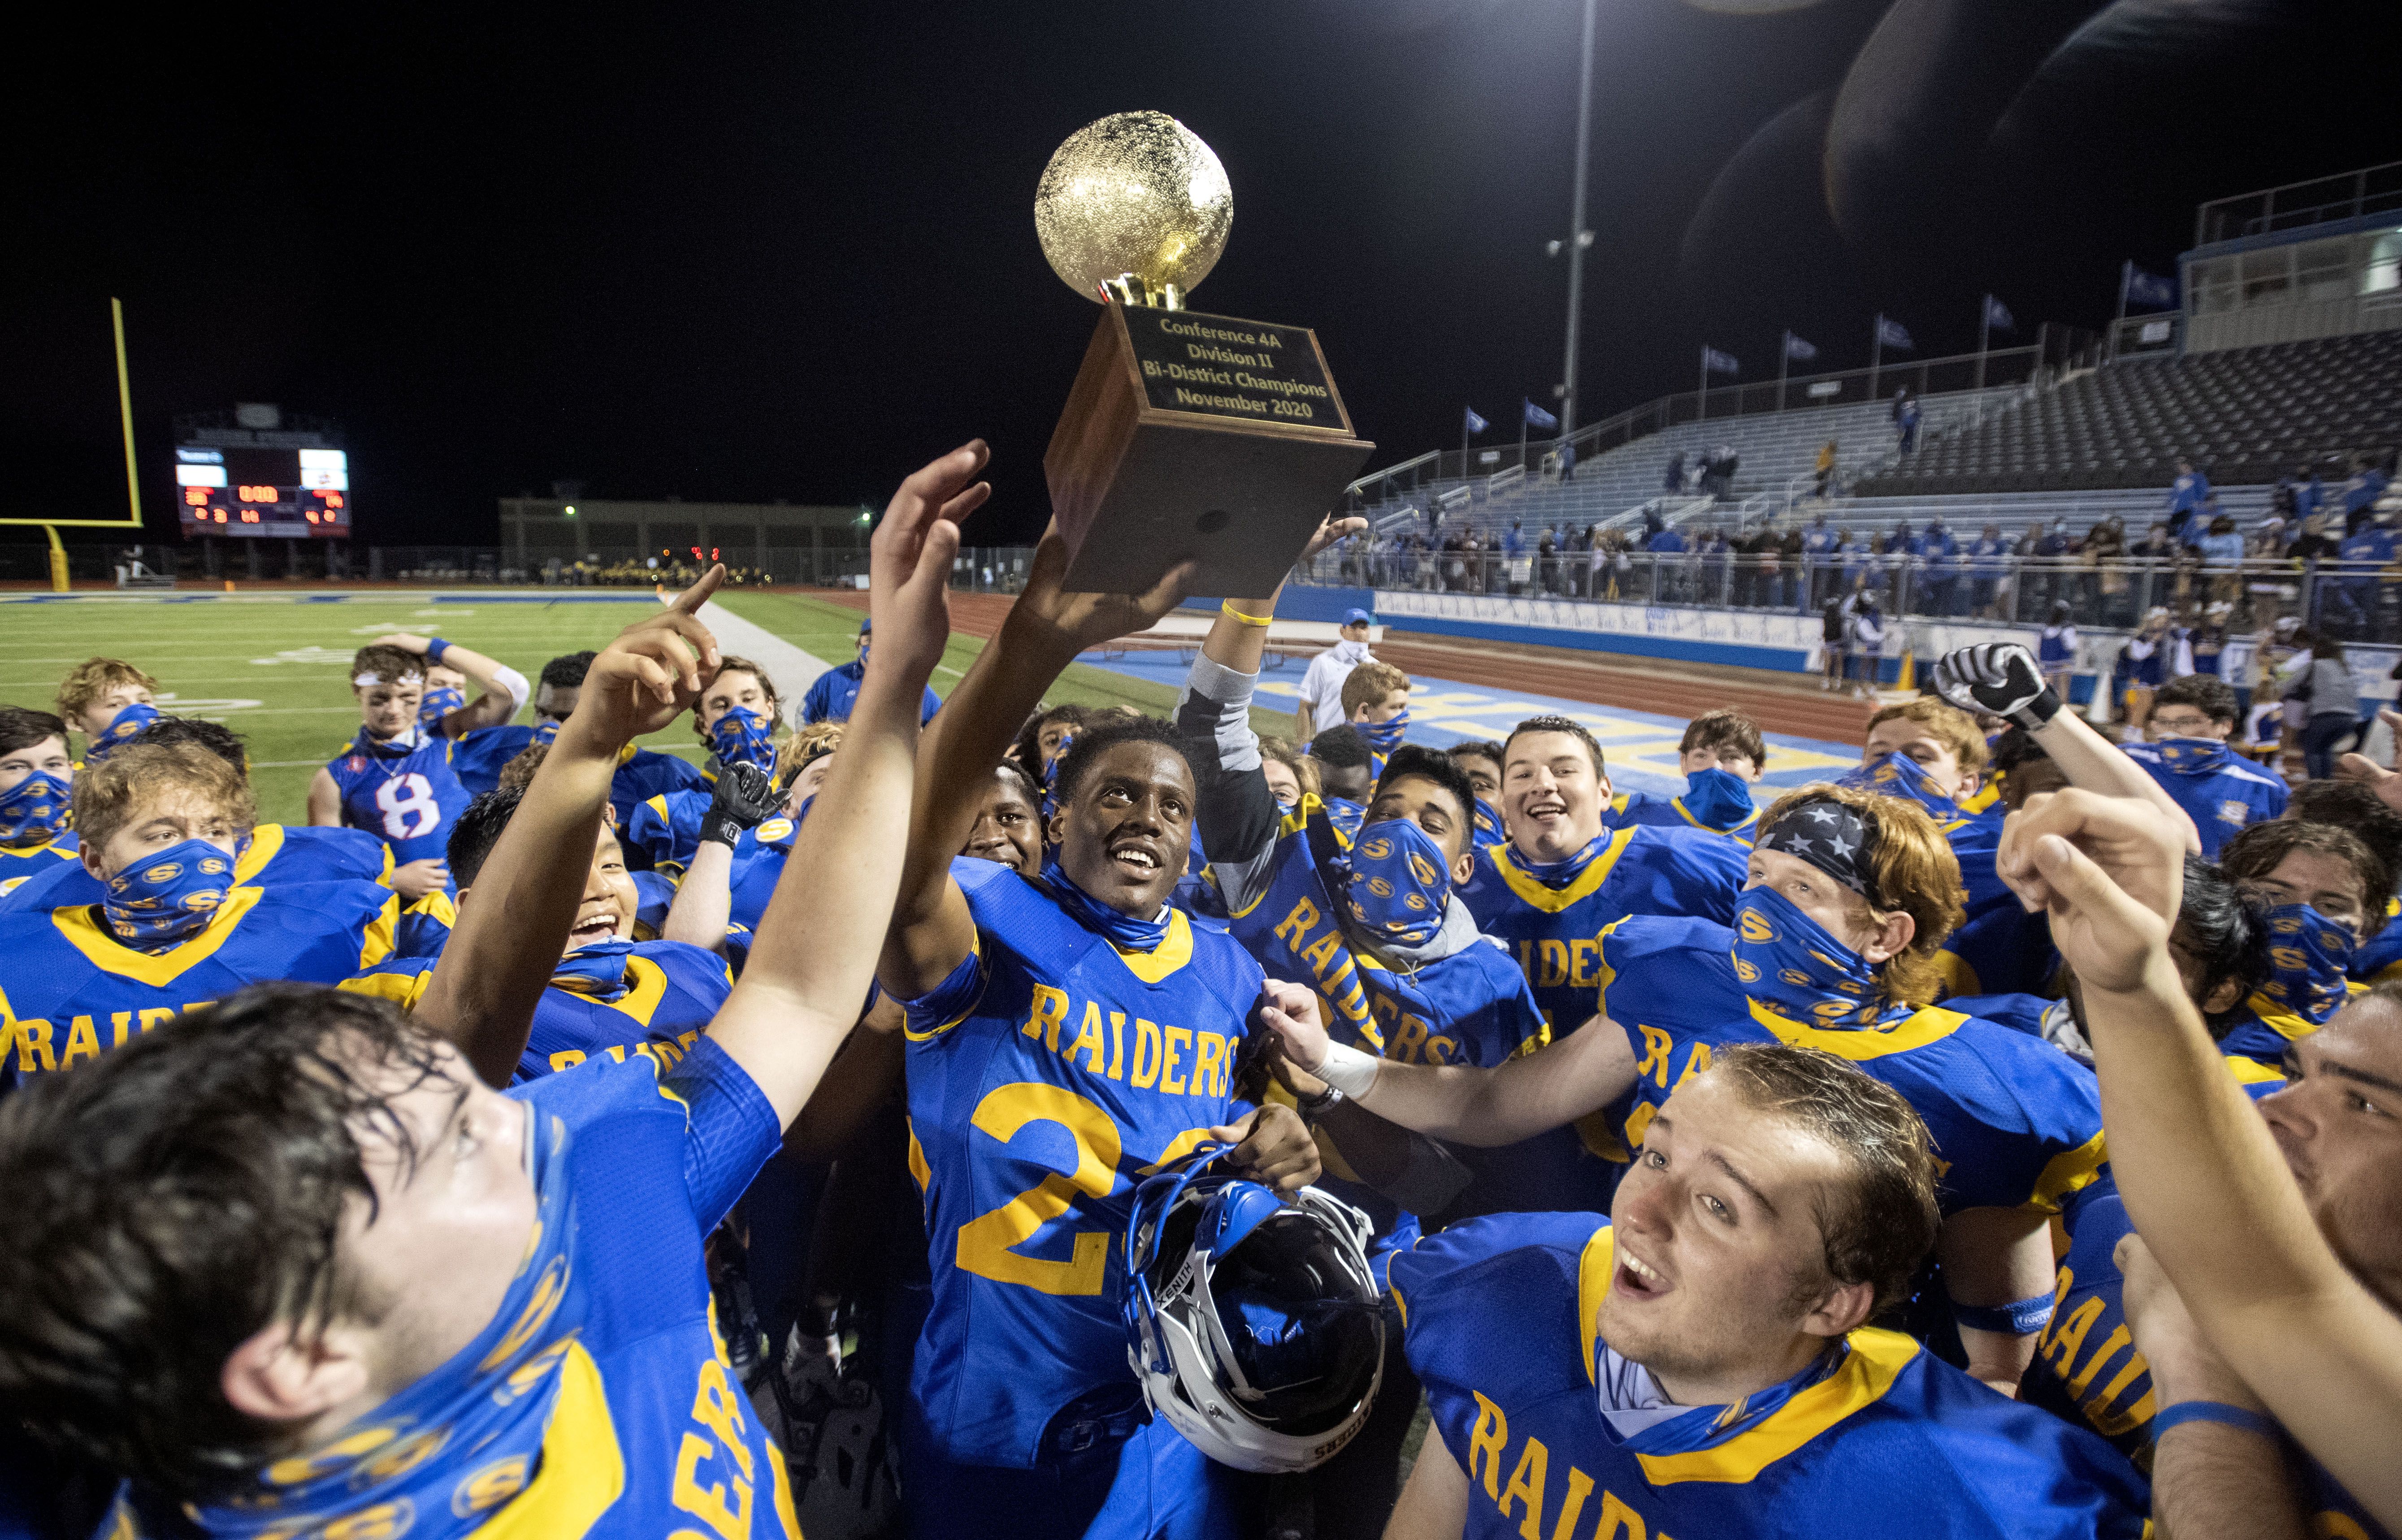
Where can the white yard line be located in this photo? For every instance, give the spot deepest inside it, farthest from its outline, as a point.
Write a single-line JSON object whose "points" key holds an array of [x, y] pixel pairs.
{"points": [[792, 670]]}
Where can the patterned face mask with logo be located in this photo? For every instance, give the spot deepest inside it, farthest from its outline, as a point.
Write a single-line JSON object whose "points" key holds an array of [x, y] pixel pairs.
{"points": [[1898, 775], [1398, 886], [438, 704], [404, 1465], [744, 736], [161, 899], [34, 810], [1794, 965], [126, 723], [2308, 957], [2192, 755], [1386, 736]]}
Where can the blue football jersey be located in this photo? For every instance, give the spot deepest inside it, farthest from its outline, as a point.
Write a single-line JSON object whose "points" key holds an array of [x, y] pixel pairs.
{"points": [[1048, 1075], [834, 694], [635, 1424], [672, 991], [480, 757], [758, 866], [2016, 1122], [1878, 1440], [1554, 932], [1471, 1007], [23, 863], [2086, 1367], [278, 854], [2002, 951], [665, 828], [645, 773], [407, 798], [74, 991], [425, 926], [1669, 813], [2223, 799], [2375, 962]]}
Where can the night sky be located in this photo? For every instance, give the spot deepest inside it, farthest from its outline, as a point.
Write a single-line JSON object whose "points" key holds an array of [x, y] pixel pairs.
{"points": [[748, 251]]}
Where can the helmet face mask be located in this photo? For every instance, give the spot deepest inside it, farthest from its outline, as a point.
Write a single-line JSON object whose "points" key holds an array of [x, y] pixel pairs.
{"points": [[1253, 1322]]}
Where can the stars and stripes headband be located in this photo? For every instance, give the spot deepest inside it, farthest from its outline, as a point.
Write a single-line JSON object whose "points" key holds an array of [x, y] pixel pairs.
{"points": [[1833, 836]]}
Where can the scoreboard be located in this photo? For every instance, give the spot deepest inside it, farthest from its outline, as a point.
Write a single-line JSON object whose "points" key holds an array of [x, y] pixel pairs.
{"points": [[253, 491]]}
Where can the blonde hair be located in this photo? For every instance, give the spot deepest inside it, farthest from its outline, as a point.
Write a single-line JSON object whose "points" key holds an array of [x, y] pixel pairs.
{"points": [[107, 795], [1949, 726], [814, 742], [1285, 752], [1369, 684], [94, 677], [1911, 869]]}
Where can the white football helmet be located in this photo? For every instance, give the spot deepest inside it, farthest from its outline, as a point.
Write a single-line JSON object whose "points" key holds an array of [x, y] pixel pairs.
{"points": [[1252, 1320]]}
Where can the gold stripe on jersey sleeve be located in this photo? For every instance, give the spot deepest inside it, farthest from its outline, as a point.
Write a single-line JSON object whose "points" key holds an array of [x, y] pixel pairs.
{"points": [[403, 990], [2067, 1172], [377, 939]]}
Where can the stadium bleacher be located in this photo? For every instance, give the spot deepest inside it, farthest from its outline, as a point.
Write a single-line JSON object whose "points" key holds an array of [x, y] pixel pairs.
{"points": [[2241, 415], [1778, 451]]}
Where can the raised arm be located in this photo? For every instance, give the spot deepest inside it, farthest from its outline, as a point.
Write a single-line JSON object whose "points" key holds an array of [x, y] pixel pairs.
{"points": [[1519, 1099], [742, 798], [513, 925], [814, 957], [2003, 678], [502, 689], [2195, 1162], [933, 932]]}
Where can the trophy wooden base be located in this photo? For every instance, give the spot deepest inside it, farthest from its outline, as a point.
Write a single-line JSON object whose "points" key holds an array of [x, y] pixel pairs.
{"points": [[1200, 437]]}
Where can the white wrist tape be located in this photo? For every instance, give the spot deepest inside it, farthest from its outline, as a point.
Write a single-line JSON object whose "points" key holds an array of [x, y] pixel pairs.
{"points": [[1347, 1070]]}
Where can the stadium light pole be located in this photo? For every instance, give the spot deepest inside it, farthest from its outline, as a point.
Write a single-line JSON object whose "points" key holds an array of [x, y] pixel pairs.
{"points": [[1578, 237]]}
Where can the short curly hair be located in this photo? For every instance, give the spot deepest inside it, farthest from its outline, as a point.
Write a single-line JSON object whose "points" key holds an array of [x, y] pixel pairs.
{"points": [[107, 795], [94, 677], [1949, 726], [1103, 736]]}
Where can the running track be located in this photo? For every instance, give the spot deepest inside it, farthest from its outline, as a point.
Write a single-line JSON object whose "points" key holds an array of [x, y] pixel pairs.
{"points": [[1781, 704]]}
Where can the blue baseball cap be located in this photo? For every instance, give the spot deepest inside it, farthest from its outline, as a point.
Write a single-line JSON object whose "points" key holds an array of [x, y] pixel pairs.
{"points": [[867, 626], [1358, 617]]}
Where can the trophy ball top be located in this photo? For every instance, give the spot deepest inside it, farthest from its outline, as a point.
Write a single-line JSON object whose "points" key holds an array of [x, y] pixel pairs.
{"points": [[1136, 192]]}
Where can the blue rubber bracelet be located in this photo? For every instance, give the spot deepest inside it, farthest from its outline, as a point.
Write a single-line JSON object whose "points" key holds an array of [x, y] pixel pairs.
{"points": [[2214, 1411], [435, 649], [2019, 1318]]}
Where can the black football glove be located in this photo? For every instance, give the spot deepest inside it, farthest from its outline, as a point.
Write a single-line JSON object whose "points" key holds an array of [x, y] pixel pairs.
{"points": [[745, 794], [1999, 677]]}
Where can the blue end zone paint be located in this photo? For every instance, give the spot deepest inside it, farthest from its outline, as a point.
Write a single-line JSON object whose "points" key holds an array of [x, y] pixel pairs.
{"points": [[1639, 747], [1299, 604]]}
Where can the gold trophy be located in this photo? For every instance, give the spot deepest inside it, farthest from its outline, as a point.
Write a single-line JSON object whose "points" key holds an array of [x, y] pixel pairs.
{"points": [[1186, 434]]}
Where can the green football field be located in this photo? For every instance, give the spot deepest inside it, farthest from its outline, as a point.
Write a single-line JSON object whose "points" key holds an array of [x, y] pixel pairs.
{"points": [[274, 667]]}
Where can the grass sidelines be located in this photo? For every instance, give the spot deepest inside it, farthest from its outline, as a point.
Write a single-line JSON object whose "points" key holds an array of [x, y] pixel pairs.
{"points": [[275, 666]]}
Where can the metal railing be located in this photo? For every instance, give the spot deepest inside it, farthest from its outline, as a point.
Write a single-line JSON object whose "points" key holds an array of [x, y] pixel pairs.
{"points": [[2349, 602], [2297, 205]]}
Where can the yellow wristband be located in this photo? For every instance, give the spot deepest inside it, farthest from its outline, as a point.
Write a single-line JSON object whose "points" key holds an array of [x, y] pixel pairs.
{"points": [[1226, 608]]}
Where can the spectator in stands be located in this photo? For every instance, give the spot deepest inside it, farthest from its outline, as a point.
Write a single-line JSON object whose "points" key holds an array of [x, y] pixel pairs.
{"points": [[1674, 481], [1988, 560], [2309, 496], [2184, 496], [1717, 555], [1725, 463], [1868, 642], [2222, 559], [1669, 578], [2314, 543], [1513, 553], [2354, 604], [1909, 426], [1789, 566], [1939, 553], [2052, 547], [1835, 639], [1857, 562], [2319, 680], [2197, 529], [2106, 552], [2361, 492], [1826, 473], [1567, 459], [2056, 650], [1819, 543], [1547, 559]]}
